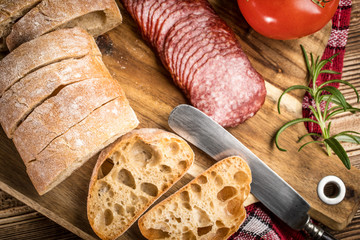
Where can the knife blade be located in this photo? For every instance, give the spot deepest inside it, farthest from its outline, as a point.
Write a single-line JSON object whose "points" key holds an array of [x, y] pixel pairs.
{"points": [[267, 186]]}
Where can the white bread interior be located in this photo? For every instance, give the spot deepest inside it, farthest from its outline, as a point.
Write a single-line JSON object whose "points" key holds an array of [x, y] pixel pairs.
{"points": [[145, 163], [209, 207]]}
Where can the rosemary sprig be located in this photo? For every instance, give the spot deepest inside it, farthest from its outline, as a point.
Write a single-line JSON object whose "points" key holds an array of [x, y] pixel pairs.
{"points": [[335, 104]]}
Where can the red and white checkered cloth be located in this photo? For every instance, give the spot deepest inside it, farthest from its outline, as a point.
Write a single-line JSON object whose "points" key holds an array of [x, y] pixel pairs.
{"points": [[260, 223]]}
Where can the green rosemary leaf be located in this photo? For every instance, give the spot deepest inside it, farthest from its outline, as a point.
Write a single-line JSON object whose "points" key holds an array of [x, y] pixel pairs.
{"points": [[352, 110], [330, 98], [302, 146], [306, 58], [329, 72], [348, 136], [290, 89], [327, 107], [339, 151], [308, 134], [336, 93], [288, 124], [343, 82], [316, 114]]}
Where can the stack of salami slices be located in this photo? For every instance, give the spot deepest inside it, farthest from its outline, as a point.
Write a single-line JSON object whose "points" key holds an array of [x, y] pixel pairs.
{"points": [[203, 56]]}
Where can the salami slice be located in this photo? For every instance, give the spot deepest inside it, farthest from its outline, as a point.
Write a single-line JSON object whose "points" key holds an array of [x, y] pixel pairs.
{"points": [[234, 99], [203, 56]]}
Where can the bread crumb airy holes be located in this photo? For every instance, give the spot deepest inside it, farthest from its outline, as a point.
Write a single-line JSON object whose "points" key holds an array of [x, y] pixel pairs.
{"points": [[195, 188], [165, 168], [202, 179], [184, 196], [127, 178], [103, 188], [201, 217], [130, 210], [157, 234], [109, 217], [142, 154], [187, 206], [222, 233], [134, 198], [219, 181], [204, 230], [149, 189], [219, 224], [174, 147], [240, 177], [188, 236], [182, 165], [105, 168], [226, 193], [119, 209], [235, 207]]}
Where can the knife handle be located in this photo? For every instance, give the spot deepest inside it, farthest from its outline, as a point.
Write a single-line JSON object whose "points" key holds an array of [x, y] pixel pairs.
{"points": [[316, 232]]}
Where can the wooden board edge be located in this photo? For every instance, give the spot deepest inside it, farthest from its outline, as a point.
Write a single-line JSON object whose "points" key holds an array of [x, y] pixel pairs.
{"points": [[333, 224], [37, 207]]}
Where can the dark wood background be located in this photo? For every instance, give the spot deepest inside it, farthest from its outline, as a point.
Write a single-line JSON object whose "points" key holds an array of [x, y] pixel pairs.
{"points": [[18, 221]]}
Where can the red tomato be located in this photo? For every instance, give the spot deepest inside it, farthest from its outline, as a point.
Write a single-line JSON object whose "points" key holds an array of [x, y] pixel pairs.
{"points": [[286, 19]]}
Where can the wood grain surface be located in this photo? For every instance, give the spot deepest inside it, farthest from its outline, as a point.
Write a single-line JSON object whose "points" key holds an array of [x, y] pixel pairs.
{"points": [[145, 81]]}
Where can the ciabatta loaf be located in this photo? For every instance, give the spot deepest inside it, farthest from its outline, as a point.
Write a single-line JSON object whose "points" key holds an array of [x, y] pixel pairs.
{"points": [[145, 163], [95, 16], [74, 147], [59, 113], [50, 48], [10, 12], [209, 207], [32, 90]]}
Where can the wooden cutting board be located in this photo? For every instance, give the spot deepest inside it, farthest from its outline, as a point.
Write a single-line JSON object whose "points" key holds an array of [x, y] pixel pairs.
{"points": [[153, 95]]}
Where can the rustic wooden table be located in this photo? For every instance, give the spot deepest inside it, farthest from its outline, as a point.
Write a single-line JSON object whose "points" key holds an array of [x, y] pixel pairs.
{"points": [[18, 221]]}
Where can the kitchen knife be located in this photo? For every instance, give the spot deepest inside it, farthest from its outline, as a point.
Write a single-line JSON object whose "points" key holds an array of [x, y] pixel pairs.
{"points": [[268, 187]]}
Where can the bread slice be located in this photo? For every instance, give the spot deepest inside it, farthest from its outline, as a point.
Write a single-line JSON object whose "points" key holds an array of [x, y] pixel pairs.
{"points": [[209, 207], [96, 16], [72, 149], [32, 90], [59, 113], [11, 11], [145, 163], [50, 48]]}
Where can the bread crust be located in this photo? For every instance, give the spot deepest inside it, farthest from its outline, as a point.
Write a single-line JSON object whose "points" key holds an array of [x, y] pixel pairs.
{"points": [[32, 90], [50, 48], [11, 11], [59, 113], [69, 151], [192, 205], [124, 154], [54, 14]]}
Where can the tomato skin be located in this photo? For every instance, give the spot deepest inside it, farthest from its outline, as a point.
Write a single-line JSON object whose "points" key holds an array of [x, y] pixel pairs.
{"points": [[286, 19]]}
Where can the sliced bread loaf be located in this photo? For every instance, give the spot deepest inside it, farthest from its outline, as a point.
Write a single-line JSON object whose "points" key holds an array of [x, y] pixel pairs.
{"points": [[96, 16], [32, 90], [209, 207], [10, 12], [47, 49], [74, 147], [145, 163], [59, 113]]}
